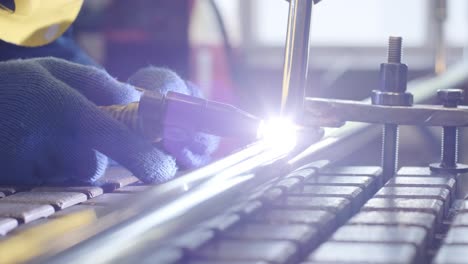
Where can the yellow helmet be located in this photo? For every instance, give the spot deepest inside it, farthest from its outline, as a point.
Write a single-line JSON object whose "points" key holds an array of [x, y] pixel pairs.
{"points": [[37, 22]]}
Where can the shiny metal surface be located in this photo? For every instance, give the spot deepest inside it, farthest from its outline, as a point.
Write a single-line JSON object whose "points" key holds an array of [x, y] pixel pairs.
{"points": [[439, 12], [328, 111], [296, 57]]}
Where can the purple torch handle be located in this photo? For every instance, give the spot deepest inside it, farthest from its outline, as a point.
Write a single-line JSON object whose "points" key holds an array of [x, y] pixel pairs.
{"points": [[175, 114]]}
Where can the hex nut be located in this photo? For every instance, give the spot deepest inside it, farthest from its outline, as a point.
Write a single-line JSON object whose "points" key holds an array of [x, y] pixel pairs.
{"points": [[453, 96]]}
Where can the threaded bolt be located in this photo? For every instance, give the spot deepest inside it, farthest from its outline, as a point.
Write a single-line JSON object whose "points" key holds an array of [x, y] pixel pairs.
{"points": [[394, 49], [450, 98], [389, 150], [390, 131]]}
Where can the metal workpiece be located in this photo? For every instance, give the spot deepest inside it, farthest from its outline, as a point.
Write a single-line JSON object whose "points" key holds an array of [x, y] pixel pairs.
{"points": [[296, 58], [449, 149]]}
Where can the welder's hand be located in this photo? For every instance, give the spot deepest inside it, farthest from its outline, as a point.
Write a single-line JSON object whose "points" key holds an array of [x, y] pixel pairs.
{"points": [[51, 130], [195, 151], [65, 47]]}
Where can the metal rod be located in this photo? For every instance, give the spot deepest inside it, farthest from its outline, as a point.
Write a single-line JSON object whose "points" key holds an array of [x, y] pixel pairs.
{"points": [[449, 147], [439, 17], [389, 150], [296, 58]]}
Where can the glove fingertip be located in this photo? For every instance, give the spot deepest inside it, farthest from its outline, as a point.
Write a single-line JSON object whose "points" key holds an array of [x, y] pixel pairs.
{"points": [[194, 89], [156, 167], [204, 144], [188, 160], [158, 79]]}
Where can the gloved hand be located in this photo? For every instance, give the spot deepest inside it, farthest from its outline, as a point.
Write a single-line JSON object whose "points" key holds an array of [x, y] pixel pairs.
{"points": [[64, 47], [198, 147], [51, 130]]}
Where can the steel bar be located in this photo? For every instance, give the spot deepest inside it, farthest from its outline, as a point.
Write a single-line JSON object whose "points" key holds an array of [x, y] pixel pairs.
{"points": [[296, 58], [389, 150], [449, 147], [438, 16], [329, 112]]}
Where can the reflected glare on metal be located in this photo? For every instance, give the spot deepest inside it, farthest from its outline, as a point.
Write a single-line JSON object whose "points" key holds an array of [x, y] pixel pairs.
{"points": [[189, 180]]}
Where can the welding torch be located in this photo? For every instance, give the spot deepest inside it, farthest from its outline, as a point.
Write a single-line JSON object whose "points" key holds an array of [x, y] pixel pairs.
{"points": [[172, 115]]}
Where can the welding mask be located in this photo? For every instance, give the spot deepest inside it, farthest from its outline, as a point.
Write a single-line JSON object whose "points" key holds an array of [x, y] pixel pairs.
{"points": [[33, 23]]}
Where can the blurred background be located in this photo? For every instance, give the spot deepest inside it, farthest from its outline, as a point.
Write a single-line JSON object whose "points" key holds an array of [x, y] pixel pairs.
{"points": [[234, 49]]}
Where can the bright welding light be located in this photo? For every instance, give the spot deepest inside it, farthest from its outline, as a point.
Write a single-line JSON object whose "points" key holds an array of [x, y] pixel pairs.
{"points": [[279, 134]]}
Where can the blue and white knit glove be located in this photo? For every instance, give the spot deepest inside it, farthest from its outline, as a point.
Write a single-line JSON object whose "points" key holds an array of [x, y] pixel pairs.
{"points": [[196, 150], [51, 130]]}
